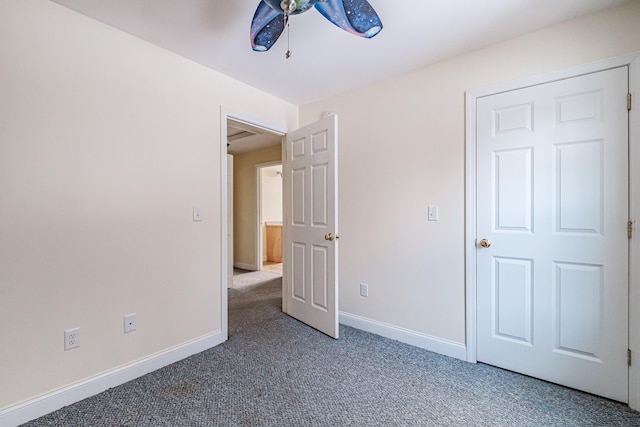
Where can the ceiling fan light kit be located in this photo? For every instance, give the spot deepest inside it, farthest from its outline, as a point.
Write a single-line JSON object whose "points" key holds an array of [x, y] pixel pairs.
{"points": [[272, 16]]}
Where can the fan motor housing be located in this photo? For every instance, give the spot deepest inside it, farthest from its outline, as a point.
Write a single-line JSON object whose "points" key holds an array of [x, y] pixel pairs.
{"points": [[301, 5]]}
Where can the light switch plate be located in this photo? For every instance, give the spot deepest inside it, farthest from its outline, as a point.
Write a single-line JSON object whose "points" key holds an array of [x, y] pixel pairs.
{"points": [[197, 216], [433, 213]]}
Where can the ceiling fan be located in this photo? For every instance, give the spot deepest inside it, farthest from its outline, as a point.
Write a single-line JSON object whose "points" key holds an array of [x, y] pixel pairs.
{"points": [[272, 16]]}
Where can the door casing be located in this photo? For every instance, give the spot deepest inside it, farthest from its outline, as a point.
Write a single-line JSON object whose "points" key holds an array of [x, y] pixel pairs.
{"points": [[631, 60]]}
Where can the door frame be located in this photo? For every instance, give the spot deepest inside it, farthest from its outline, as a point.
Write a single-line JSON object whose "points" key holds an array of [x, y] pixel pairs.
{"points": [[277, 129], [633, 62], [259, 234]]}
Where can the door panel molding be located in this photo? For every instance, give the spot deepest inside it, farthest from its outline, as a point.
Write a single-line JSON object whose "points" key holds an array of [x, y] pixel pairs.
{"points": [[310, 219], [633, 62]]}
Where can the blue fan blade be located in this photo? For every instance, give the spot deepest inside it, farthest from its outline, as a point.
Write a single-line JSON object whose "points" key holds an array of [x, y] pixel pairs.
{"points": [[266, 27], [354, 16]]}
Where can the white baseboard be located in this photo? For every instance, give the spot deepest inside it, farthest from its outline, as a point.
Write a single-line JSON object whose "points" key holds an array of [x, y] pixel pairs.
{"points": [[42, 405], [407, 336], [243, 266]]}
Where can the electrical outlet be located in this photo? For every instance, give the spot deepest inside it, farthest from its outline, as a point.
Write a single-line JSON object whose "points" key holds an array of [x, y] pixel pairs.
{"points": [[364, 290], [130, 323], [71, 338]]}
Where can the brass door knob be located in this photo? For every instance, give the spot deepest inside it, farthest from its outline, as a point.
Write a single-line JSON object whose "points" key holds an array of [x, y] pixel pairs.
{"points": [[329, 237], [485, 243]]}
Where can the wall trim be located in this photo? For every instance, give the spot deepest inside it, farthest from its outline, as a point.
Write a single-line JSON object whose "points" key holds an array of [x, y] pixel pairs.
{"points": [[632, 60], [407, 336], [243, 266], [49, 402], [634, 216]]}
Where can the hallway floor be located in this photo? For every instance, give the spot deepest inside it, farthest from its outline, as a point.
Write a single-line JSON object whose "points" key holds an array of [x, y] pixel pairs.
{"points": [[272, 267]]}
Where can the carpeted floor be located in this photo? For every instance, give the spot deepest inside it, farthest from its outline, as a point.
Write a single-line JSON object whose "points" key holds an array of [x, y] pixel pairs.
{"points": [[275, 371], [246, 278]]}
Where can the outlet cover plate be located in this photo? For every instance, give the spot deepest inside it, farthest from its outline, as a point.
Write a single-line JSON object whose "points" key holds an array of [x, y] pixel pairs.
{"points": [[71, 338], [130, 323], [364, 290]]}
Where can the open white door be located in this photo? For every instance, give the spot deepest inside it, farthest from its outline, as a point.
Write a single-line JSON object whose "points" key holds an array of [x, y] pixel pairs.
{"points": [[310, 225]]}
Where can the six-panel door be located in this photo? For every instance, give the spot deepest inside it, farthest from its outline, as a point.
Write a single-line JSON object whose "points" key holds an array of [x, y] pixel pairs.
{"points": [[310, 226], [552, 197]]}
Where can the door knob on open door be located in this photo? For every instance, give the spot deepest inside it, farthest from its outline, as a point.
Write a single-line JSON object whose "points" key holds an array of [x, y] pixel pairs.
{"points": [[329, 237], [485, 243]]}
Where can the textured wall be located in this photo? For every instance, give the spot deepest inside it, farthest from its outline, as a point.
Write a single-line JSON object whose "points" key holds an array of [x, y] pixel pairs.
{"points": [[106, 144], [402, 148]]}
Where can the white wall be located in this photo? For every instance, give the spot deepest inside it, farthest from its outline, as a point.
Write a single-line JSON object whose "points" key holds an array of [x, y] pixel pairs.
{"points": [[270, 201], [402, 148], [106, 144], [272, 194]]}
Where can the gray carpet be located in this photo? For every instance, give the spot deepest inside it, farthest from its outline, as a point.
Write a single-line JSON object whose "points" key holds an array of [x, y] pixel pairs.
{"points": [[245, 278], [275, 371]]}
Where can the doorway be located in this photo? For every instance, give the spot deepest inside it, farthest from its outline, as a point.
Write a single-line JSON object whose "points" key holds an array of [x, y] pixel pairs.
{"points": [[239, 134], [257, 190], [310, 279]]}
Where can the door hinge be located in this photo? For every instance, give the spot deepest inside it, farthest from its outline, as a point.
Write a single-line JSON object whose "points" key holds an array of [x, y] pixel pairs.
{"points": [[629, 101], [629, 357], [630, 229]]}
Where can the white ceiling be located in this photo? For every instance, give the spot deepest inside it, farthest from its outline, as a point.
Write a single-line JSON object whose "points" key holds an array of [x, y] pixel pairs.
{"points": [[242, 138], [326, 60]]}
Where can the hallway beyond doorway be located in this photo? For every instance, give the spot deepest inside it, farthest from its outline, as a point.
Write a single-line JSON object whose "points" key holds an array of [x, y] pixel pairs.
{"points": [[272, 267], [247, 278]]}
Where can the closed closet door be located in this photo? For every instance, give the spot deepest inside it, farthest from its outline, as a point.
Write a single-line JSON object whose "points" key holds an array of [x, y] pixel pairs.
{"points": [[552, 211]]}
